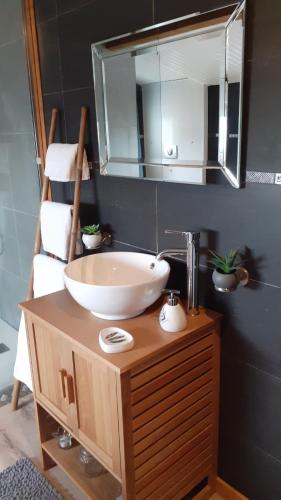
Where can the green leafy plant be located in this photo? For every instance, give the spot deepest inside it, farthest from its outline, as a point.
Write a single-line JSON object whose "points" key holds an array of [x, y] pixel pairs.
{"points": [[92, 229], [226, 264]]}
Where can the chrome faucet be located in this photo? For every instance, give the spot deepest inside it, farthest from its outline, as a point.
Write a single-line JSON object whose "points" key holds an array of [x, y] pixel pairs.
{"points": [[191, 251]]}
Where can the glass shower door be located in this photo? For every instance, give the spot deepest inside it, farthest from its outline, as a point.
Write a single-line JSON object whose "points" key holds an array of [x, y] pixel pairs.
{"points": [[19, 182]]}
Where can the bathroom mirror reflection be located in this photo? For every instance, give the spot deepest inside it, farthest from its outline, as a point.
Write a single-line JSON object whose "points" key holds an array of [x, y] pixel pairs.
{"points": [[168, 99]]}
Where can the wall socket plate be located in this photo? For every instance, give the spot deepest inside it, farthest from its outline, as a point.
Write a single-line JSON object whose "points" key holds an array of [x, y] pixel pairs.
{"points": [[278, 178]]}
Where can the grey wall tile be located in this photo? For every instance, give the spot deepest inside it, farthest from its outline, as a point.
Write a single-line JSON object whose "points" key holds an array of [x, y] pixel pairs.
{"points": [[24, 173], [165, 10], [76, 35], [251, 319], [5, 190], [86, 25], [251, 327], [50, 56], [15, 107], [250, 402], [11, 27], [117, 246], [51, 101], [65, 6], [62, 192], [72, 110], [9, 256], [14, 292], [19, 182], [6, 199], [249, 469], [263, 106], [25, 227], [128, 206], [263, 30], [123, 247], [45, 10], [227, 218]]}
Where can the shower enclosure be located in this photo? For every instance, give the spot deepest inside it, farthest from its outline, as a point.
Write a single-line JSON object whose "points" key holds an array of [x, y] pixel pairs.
{"points": [[19, 181]]}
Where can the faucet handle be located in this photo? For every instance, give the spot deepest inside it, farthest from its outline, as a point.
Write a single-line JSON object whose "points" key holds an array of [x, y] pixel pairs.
{"points": [[185, 234], [191, 236], [171, 231]]}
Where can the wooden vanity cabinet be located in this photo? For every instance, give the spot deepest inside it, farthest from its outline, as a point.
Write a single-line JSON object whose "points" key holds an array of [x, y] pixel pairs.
{"points": [[149, 415]]}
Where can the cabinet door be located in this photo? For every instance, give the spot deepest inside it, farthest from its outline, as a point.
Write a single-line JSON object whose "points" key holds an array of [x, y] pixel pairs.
{"points": [[51, 365], [96, 400]]}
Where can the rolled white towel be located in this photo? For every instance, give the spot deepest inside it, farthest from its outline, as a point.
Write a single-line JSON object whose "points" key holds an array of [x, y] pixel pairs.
{"points": [[48, 278], [48, 275], [61, 163], [22, 369], [56, 221]]}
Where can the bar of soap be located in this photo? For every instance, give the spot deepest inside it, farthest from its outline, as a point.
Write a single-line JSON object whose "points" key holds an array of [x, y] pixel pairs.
{"points": [[110, 347]]}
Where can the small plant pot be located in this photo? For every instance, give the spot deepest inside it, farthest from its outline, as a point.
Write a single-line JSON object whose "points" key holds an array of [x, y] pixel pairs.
{"points": [[225, 282], [91, 240]]}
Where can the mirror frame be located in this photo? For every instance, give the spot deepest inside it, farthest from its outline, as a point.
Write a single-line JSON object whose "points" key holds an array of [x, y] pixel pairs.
{"points": [[142, 39]]}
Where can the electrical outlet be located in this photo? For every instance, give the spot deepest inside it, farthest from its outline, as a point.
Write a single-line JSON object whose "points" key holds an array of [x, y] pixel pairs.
{"points": [[277, 178]]}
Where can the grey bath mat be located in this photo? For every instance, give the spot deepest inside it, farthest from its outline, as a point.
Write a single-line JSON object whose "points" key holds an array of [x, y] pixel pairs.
{"points": [[23, 481]]}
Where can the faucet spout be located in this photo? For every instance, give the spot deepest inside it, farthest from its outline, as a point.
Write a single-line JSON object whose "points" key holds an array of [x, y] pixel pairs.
{"points": [[171, 252], [191, 251]]}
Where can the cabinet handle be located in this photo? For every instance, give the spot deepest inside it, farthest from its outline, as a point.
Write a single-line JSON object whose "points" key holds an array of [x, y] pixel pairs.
{"points": [[70, 389], [62, 384]]}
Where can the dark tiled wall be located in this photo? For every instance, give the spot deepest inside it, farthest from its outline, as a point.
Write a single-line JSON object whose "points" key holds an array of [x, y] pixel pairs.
{"points": [[138, 211]]}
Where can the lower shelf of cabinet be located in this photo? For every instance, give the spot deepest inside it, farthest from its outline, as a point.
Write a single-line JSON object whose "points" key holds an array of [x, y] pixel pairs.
{"points": [[103, 487]]}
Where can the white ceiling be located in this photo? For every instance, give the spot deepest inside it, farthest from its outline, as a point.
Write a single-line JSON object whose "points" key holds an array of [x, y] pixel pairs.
{"points": [[199, 58]]}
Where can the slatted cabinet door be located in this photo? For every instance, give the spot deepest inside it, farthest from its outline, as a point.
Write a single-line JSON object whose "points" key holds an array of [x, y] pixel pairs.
{"points": [[172, 421], [52, 370], [96, 402], [79, 389]]}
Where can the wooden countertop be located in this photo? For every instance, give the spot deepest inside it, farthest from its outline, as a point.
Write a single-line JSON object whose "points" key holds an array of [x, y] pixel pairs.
{"points": [[61, 312]]}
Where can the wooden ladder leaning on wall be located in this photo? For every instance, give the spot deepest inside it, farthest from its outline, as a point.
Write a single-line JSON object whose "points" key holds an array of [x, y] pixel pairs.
{"points": [[75, 215]]}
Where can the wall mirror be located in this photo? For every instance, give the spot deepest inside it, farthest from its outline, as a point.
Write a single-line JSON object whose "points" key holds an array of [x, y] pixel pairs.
{"points": [[169, 98]]}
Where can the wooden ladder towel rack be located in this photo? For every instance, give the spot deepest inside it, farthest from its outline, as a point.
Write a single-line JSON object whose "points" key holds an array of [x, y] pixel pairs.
{"points": [[76, 201], [75, 216]]}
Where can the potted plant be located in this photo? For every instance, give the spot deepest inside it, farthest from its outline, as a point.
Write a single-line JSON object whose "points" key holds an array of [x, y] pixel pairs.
{"points": [[225, 276], [91, 236]]}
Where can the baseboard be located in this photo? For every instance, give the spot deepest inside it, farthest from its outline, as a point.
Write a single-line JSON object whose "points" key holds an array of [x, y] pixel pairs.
{"points": [[228, 492], [223, 489], [204, 494]]}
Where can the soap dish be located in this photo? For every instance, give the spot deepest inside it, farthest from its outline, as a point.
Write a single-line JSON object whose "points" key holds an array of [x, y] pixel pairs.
{"points": [[114, 339]]}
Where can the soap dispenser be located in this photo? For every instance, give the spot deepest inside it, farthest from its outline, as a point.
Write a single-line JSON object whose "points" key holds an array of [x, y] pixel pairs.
{"points": [[172, 315]]}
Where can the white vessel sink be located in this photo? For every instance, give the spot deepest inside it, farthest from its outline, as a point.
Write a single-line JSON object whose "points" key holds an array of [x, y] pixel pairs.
{"points": [[116, 285]]}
